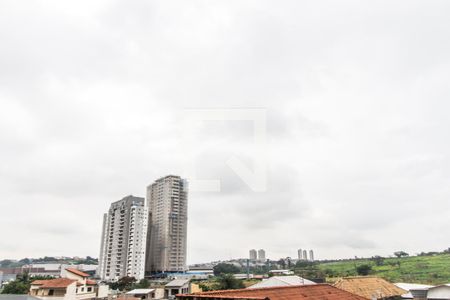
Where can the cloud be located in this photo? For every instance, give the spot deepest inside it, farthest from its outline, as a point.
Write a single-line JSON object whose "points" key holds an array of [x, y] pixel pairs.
{"points": [[93, 96]]}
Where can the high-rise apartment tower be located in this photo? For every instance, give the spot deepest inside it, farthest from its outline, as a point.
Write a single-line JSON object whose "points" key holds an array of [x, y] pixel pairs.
{"points": [[261, 255], [311, 255], [123, 243], [167, 200], [305, 255], [253, 255]]}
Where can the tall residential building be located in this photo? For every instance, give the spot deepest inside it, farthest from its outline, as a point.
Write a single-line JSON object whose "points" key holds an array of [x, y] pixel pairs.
{"points": [[124, 235], [300, 254], [311, 255], [261, 255], [305, 255], [167, 204], [253, 254]]}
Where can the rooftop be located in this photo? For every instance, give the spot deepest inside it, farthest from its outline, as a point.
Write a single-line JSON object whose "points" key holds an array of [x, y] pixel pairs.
{"points": [[298, 292], [54, 283], [411, 286], [177, 282], [140, 291], [369, 287], [77, 272], [281, 281]]}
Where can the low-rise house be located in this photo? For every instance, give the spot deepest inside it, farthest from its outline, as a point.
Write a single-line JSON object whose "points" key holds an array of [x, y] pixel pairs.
{"points": [[175, 287], [88, 269], [411, 286], [143, 294], [440, 292], [75, 286], [370, 287], [281, 281], [299, 292]]}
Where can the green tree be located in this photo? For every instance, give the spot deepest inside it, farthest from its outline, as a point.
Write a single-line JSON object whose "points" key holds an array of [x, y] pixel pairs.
{"points": [[304, 264], [282, 263], [224, 268], [123, 284], [228, 282], [364, 269], [379, 261], [21, 285], [25, 261], [16, 287], [142, 284], [401, 254], [206, 287]]}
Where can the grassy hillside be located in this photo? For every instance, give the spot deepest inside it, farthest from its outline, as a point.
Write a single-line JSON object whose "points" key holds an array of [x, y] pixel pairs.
{"points": [[417, 269]]}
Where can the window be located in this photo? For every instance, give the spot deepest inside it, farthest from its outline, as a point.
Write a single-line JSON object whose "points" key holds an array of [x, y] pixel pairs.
{"points": [[51, 292]]}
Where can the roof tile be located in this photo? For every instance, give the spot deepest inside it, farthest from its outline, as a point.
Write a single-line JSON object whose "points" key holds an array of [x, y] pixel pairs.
{"points": [[369, 287], [77, 272], [298, 292], [54, 283]]}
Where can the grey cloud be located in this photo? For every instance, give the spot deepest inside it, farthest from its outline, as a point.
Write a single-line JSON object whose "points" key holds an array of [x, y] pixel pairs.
{"points": [[92, 97], [350, 240]]}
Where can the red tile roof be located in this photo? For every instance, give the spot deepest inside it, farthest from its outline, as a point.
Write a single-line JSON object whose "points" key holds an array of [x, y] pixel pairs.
{"points": [[77, 272], [54, 283], [91, 282], [297, 292], [38, 282]]}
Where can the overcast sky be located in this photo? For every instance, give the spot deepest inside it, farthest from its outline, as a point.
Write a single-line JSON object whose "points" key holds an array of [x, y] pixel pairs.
{"points": [[94, 96]]}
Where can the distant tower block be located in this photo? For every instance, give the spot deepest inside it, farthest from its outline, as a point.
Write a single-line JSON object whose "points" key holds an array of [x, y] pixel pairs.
{"points": [[311, 255], [252, 254], [305, 255], [300, 254], [261, 255]]}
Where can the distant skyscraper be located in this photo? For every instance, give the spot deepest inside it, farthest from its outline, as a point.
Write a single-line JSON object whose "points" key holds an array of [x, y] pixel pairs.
{"points": [[253, 254], [311, 255], [167, 226], [305, 255], [300, 254], [124, 233], [261, 255]]}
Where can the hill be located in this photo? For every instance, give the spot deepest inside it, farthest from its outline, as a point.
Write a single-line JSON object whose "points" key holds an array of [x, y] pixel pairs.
{"points": [[433, 269]]}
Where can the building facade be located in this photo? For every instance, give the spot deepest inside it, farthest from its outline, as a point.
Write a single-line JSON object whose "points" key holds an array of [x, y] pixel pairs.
{"points": [[123, 243], [305, 255], [261, 255], [300, 254], [253, 255], [311, 255], [76, 285], [167, 200]]}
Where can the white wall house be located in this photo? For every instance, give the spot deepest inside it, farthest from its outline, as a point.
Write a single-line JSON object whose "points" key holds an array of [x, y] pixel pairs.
{"points": [[175, 287], [75, 286]]}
